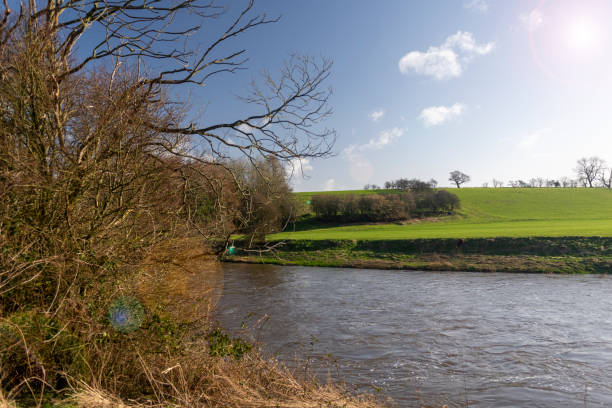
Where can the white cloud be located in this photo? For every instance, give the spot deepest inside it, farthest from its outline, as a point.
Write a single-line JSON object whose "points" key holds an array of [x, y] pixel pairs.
{"points": [[533, 20], [384, 138], [480, 6], [437, 115], [466, 42], [447, 60], [436, 62], [245, 128], [297, 168], [377, 115], [360, 168]]}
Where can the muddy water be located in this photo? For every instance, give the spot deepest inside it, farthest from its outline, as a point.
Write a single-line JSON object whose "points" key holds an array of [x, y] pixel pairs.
{"points": [[502, 340]]}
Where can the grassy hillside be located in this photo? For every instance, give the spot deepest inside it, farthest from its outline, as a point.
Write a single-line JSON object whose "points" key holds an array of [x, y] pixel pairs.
{"points": [[488, 212]]}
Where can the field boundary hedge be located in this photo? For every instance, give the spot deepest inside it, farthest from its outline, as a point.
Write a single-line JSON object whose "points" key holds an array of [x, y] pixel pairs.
{"points": [[543, 246]]}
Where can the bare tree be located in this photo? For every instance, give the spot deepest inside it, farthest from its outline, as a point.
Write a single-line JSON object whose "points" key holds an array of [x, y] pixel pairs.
{"points": [[589, 170], [497, 183], [565, 182], [97, 147], [605, 178], [458, 178], [537, 182], [152, 37]]}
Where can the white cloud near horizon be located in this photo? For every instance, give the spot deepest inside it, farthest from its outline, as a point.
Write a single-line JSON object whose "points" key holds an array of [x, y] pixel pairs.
{"points": [[360, 168], [384, 138], [377, 115], [480, 6], [437, 115], [447, 60], [533, 20], [296, 169]]}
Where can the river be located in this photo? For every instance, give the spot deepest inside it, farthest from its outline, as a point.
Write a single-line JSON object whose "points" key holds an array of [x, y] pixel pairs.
{"points": [[463, 339]]}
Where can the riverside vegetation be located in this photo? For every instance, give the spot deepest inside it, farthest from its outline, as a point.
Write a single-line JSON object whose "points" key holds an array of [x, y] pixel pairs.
{"points": [[115, 202], [551, 230]]}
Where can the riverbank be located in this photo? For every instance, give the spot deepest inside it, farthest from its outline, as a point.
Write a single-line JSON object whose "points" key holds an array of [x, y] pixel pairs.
{"points": [[566, 255]]}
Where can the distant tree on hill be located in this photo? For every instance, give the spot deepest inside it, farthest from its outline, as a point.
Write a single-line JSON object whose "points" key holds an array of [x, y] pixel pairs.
{"points": [[589, 170], [567, 182], [402, 184], [458, 178], [537, 182], [606, 177], [497, 183], [433, 183]]}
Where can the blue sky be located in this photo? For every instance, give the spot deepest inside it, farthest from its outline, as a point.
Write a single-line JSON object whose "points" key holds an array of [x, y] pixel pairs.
{"points": [[496, 89]]}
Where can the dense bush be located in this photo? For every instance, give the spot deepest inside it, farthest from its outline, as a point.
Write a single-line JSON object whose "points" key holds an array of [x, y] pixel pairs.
{"points": [[436, 202], [383, 207], [266, 202]]}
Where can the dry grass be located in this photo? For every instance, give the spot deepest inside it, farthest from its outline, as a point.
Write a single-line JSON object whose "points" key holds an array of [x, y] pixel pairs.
{"points": [[91, 397], [250, 383], [257, 382], [5, 402]]}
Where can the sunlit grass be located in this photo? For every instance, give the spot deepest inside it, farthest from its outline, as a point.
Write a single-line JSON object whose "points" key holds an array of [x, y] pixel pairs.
{"points": [[488, 212]]}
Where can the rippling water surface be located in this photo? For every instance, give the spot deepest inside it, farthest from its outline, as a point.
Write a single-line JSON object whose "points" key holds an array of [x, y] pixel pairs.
{"points": [[502, 340]]}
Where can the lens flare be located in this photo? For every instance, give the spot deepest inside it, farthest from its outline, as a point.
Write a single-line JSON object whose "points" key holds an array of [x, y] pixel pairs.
{"points": [[583, 34], [126, 314]]}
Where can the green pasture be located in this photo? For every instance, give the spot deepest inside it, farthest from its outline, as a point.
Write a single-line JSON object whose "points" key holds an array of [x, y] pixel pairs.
{"points": [[489, 212]]}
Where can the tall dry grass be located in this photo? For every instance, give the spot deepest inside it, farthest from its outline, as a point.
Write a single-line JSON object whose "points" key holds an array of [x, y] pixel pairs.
{"points": [[252, 382]]}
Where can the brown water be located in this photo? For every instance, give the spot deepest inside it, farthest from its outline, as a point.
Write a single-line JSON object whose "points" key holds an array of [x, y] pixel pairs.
{"points": [[502, 340]]}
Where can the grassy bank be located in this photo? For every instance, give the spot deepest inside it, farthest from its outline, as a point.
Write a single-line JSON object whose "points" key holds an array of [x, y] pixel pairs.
{"points": [[533, 255], [484, 213]]}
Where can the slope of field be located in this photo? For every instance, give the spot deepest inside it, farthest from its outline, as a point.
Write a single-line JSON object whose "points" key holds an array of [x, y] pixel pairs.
{"points": [[488, 212]]}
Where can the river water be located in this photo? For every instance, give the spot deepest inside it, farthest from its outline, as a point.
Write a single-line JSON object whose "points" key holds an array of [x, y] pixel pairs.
{"points": [[463, 339]]}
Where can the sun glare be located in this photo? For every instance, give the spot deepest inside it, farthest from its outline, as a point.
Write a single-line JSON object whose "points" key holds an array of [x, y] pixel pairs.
{"points": [[583, 35]]}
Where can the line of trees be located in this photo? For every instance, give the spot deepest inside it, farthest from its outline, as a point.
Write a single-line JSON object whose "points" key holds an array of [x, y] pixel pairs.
{"points": [[383, 207], [540, 182], [590, 172], [413, 184]]}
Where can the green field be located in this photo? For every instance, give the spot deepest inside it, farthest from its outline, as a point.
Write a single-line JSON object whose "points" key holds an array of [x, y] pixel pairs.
{"points": [[488, 212]]}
